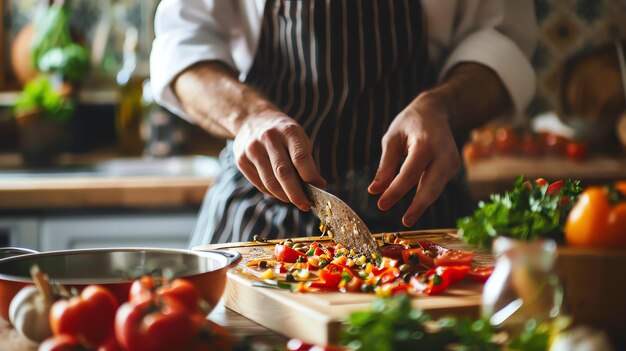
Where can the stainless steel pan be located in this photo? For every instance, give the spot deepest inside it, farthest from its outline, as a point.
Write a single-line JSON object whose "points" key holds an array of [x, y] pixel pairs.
{"points": [[114, 268]]}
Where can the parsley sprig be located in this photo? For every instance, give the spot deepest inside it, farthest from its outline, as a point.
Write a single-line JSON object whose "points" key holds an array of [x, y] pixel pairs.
{"points": [[527, 212]]}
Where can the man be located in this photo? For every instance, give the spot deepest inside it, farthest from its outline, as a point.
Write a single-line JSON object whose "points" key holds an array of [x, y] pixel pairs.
{"points": [[355, 95]]}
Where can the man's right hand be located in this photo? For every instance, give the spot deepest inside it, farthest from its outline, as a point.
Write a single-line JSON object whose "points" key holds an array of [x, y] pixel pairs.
{"points": [[270, 148]]}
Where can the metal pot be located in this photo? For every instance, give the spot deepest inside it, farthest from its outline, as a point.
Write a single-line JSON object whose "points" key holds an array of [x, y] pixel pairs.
{"points": [[115, 269]]}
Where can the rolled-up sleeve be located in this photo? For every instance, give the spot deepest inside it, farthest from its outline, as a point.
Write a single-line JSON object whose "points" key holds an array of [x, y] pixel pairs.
{"points": [[187, 32], [500, 35]]}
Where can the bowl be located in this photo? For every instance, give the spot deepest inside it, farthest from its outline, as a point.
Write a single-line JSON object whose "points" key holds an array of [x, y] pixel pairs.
{"points": [[116, 268]]}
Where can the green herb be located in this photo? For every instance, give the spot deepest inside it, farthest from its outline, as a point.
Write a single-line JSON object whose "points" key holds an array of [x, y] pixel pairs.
{"points": [[40, 97], [53, 49], [534, 337], [392, 324], [527, 212]]}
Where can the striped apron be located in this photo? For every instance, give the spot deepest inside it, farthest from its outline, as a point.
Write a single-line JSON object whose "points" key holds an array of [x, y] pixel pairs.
{"points": [[343, 70]]}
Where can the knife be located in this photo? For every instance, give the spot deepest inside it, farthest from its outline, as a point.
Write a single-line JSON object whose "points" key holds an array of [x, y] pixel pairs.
{"points": [[345, 227]]}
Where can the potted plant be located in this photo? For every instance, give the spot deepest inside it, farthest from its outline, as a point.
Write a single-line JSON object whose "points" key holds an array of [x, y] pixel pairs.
{"points": [[46, 104]]}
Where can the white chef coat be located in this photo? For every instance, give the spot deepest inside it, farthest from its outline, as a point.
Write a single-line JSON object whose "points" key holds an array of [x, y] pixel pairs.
{"points": [[499, 34]]}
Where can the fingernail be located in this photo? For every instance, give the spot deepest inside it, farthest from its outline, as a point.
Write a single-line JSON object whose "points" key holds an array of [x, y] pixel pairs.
{"points": [[383, 205], [409, 221]]}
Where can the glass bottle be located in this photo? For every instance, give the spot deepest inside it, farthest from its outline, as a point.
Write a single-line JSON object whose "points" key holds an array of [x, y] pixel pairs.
{"points": [[130, 82], [523, 286]]}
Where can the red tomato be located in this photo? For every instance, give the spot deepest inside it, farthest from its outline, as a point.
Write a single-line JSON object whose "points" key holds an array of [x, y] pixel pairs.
{"points": [[541, 182], [454, 258], [142, 289], [430, 283], [182, 291], [149, 326], [88, 317], [61, 342], [393, 251], [576, 150], [353, 285], [110, 344], [532, 146], [213, 337], [285, 253], [480, 274], [554, 143], [507, 141]]}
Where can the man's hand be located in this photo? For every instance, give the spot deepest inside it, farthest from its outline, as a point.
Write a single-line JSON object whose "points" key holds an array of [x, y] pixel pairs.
{"points": [[421, 133], [269, 146], [271, 150]]}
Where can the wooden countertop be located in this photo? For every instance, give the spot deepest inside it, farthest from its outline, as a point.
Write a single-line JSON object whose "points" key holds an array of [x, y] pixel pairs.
{"points": [[70, 187], [496, 174]]}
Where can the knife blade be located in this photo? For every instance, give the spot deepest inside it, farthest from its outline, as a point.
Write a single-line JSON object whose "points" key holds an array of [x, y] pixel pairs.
{"points": [[346, 227]]}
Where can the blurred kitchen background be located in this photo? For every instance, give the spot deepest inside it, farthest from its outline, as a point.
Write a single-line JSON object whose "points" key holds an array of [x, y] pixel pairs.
{"points": [[87, 159]]}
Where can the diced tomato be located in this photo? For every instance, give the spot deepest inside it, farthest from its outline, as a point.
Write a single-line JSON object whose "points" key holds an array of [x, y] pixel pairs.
{"points": [[318, 251], [430, 283], [389, 262], [454, 258], [331, 274], [285, 253], [480, 274]]}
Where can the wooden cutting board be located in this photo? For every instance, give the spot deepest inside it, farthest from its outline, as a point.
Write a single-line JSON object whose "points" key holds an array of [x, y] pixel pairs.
{"points": [[316, 317]]}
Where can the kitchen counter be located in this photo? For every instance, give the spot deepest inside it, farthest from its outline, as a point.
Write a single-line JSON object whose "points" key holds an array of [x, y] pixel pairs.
{"points": [[496, 174], [104, 182], [235, 323]]}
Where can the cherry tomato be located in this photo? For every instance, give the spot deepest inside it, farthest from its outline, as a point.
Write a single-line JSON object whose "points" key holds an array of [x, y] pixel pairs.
{"points": [[594, 221], [576, 150], [507, 141], [393, 251], [555, 144], [61, 342], [532, 146], [149, 326], [454, 258], [285, 253], [480, 274], [88, 317], [474, 150]]}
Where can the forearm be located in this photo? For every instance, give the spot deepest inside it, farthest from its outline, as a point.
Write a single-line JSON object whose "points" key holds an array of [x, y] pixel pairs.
{"points": [[215, 99], [471, 95]]}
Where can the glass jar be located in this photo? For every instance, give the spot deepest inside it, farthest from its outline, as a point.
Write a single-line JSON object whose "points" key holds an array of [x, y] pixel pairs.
{"points": [[523, 286]]}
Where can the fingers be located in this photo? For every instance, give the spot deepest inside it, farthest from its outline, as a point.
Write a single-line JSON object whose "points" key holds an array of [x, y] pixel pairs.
{"points": [[392, 151], [250, 172], [430, 187], [299, 148], [258, 154], [416, 162]]}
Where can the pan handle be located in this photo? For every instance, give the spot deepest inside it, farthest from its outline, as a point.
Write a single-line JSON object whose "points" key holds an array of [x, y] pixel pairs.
{"points": [[6, 252], [232, 257]]}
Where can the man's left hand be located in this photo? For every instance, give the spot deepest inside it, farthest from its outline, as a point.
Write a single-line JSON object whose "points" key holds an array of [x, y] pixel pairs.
{"points": [[420, 132]]}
